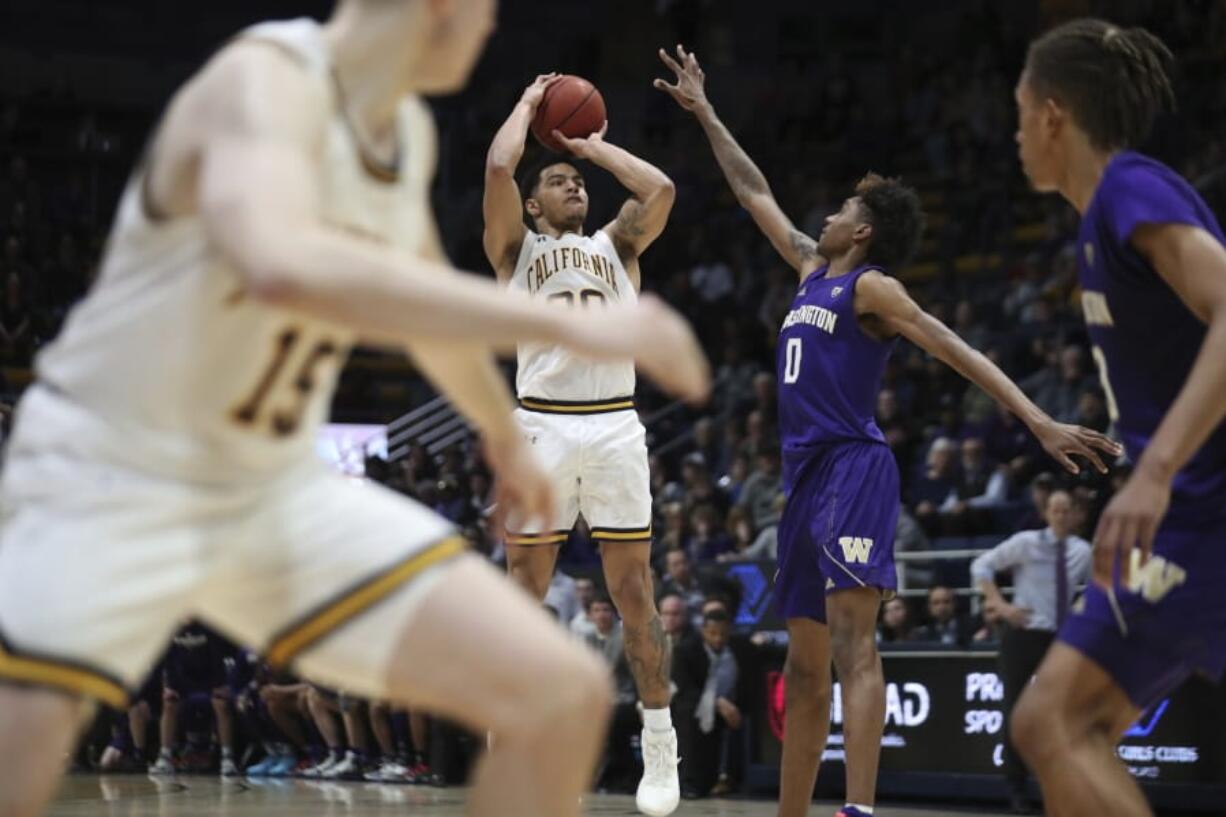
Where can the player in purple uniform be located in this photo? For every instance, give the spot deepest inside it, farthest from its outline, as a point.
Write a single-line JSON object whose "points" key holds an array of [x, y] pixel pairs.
{"points": [[1153, 273], [836, 554]]}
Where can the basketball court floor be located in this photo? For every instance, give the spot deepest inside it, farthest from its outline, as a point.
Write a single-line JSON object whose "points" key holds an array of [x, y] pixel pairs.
{"points": [[139, 796]]}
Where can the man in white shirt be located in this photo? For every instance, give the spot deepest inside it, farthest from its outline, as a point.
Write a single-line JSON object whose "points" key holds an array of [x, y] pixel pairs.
{"points": [[1047, 565]]}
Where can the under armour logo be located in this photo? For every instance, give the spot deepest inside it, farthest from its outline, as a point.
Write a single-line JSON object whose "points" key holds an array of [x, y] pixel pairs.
{"points": [[855, 549], [834, 293], [829, 584], [802, 290]]}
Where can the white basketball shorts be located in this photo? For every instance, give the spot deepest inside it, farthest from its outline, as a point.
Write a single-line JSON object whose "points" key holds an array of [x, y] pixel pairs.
{"points": [[598, 459], [100, 562]]}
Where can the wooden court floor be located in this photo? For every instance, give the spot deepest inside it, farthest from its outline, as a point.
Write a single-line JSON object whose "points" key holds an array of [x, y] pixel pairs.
{"points": [[140, 796]]}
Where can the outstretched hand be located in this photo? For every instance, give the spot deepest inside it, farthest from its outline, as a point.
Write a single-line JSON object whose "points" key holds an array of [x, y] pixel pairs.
{"points": [[523, 490], [1060, 440], [689, 91], [1129, 522]]}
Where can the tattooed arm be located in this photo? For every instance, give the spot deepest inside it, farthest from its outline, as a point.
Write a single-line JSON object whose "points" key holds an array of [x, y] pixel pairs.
{"points": [[642, 217], [746, 180]]}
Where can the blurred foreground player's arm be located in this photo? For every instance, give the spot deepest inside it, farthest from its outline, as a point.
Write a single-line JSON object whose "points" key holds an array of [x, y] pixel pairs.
{"points": [[746, 180], [1193, 264], [239, 146], [468, 374], [886, 299], [251, 125], [502, 205]]}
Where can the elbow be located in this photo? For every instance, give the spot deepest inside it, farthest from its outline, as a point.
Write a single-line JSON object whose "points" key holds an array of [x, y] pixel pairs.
{"points": [[666, 190], [266, 254], [270, 276], [500, 167], [274, 289]]}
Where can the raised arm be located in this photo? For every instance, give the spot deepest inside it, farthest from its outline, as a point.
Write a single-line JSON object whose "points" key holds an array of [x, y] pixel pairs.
{"points": [[887, 301], [1193, 263], [502, 207], [246, 133], [746, 180], [642, 218]]}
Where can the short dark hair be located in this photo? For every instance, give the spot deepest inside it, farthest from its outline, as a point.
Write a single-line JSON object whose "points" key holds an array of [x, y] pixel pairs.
{"points": [[530, 178], [897, 217], [1114, 80], [719, 616]]}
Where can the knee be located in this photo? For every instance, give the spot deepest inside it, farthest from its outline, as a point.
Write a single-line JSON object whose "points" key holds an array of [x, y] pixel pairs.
{"points": [[1035, 727], [853, 653], [578, 692], [806, 680]]}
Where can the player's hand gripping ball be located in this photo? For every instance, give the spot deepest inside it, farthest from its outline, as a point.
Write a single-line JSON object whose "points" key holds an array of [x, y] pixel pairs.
{"points": [[573, 107]]}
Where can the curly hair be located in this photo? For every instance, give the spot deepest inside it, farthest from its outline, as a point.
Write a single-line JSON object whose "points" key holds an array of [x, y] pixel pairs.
{"points": [[897, 218], [1115, 81]]}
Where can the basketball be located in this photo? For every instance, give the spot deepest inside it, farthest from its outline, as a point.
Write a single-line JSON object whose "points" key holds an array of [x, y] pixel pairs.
{"points": [[571, 105]]}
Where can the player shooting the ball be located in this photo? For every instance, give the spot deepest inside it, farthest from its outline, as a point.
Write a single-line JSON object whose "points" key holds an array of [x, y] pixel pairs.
{"points": [[578, 414]]}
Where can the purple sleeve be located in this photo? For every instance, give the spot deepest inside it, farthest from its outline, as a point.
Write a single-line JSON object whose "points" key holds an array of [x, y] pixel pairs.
{"points": [[1141, 195]]}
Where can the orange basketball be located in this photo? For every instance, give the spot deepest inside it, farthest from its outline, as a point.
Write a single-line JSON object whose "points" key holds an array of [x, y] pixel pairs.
{"points": [[571, 105]]}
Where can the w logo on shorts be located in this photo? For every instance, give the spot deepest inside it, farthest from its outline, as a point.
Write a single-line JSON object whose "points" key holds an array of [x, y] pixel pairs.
{"points": [[855, 549]]}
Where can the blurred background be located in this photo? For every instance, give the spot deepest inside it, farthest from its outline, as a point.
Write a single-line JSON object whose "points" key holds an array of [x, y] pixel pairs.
{"points": [[818, 93]]}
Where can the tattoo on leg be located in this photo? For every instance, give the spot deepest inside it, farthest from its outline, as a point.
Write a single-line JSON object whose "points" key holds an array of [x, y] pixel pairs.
{"points": [[648, 655]]}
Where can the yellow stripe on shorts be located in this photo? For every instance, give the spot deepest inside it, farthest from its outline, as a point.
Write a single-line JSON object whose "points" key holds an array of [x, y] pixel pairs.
{"points": [[544, 538], [61, 676], [621, 534], [333, 614]]}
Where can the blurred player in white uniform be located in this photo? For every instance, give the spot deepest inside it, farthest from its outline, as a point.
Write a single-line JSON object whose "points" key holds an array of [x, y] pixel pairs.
{"points": [[162, 465], [578, 414]]}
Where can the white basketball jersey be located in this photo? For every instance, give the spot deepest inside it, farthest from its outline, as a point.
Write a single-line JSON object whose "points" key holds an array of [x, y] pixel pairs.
{"points": [[577, 272], [167, 348]]}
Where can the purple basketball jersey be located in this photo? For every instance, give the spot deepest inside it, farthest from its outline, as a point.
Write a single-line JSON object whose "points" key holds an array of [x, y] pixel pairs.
{"points": [[829, 371], [1170, 620], [1145, 339]]}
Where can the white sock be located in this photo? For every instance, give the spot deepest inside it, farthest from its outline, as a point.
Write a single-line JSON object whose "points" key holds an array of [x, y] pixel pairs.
{"points": [[658, 720], [863, 809]]}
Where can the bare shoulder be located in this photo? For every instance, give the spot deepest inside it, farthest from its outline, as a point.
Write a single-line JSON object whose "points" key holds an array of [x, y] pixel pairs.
{"points": [[254, 86], [884, 299], [248, 90], [878, 288]]}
